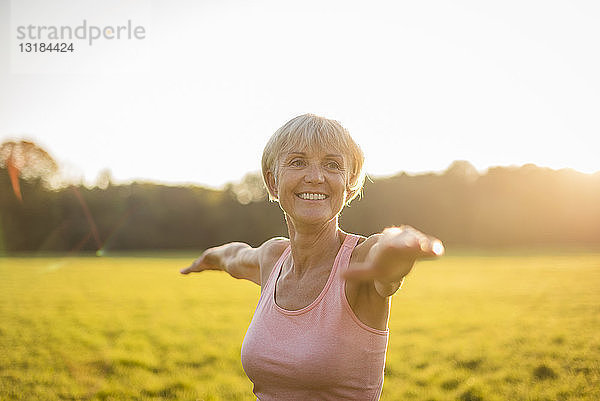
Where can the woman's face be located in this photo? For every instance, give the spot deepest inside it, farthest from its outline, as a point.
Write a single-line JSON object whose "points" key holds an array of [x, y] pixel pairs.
{"points": [[312, 185]]}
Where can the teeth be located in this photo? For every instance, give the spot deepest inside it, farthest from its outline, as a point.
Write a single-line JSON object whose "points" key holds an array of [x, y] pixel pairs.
{"points": [[311, 196]]}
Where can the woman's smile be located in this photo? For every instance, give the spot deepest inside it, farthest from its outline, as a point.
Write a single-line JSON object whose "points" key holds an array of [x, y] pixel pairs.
{"points": [[313, 196], [311, 185]]}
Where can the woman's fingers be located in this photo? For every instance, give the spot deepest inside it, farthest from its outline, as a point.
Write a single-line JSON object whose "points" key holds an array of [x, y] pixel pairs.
{"points": [[196, 266], [432, 247], [407, 240], [393, 258], [205, 262], [187, 270]]}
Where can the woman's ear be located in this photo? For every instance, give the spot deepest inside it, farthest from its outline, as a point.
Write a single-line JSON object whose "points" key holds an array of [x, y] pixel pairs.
{"points": [[349, 194], [272, 185]]}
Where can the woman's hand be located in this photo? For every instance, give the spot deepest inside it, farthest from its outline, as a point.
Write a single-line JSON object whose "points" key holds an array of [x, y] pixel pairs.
{"points": [[393, 256], [209, 260]]}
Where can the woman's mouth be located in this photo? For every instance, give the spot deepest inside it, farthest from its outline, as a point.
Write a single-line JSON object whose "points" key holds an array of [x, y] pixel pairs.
{"points": [[311, 196]]}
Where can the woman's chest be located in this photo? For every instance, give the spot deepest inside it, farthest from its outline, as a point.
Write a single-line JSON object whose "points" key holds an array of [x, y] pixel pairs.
{"points": [[294, 293]]}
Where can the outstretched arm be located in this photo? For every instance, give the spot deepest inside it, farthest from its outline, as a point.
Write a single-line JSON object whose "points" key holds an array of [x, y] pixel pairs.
{"points": [[392, 255], [238, 259]]}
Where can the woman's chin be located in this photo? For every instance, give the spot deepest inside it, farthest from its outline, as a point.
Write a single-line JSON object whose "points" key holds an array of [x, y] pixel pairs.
{"points": [[312, 219]]}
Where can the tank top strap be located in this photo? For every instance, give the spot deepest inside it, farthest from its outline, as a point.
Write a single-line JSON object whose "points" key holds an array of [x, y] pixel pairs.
{"points": [[346, 253], [351, 241], [275, 271]]}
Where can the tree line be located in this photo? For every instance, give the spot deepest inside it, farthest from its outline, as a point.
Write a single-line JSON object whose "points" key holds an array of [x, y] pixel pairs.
{"points": [[505, 207]]}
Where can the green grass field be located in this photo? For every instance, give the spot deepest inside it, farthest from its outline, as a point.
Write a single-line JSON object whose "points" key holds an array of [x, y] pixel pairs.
{"points": [[466, 327]]}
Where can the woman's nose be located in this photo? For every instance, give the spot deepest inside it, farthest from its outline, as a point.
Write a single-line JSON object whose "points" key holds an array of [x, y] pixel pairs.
{"points": [[314, 174]]}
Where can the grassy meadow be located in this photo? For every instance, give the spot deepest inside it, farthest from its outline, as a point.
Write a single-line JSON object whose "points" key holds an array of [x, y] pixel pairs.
{"points": [[467, 327]]}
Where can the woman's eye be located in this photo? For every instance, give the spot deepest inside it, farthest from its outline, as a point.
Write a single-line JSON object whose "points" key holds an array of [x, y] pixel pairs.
{"points": [[297, 163], [333, 165]]}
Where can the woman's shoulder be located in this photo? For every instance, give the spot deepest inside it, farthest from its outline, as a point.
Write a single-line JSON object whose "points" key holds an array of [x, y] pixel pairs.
{"points": [[273, 248], [270, 252]]}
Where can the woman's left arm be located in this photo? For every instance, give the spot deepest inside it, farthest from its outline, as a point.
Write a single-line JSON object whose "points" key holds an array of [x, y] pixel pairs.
{"points": [[392, 256]]}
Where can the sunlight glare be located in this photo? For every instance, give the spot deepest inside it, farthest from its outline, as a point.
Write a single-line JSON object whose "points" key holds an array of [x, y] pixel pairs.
{"points": [[438, 248]]}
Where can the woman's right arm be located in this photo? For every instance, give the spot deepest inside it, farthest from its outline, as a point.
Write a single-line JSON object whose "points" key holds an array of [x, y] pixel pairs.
{"points": [[238, 259]]}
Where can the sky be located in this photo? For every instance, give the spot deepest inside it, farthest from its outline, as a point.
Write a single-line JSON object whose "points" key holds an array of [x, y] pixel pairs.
{"points": [[418, 84]]}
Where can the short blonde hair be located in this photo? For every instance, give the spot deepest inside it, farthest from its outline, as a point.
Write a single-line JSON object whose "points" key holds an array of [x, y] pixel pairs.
{"points": [[310, 131]]}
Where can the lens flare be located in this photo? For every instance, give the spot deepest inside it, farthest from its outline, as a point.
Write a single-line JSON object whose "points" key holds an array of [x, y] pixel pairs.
{"points": [[13, 174], [438, 248]]}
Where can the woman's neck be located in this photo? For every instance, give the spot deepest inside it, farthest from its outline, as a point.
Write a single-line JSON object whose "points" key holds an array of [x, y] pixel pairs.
{"points": [[313, 246]]}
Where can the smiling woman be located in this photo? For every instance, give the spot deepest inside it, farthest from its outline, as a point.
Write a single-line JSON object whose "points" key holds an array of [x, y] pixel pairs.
{"points": [[308, 132], [320, 327]]}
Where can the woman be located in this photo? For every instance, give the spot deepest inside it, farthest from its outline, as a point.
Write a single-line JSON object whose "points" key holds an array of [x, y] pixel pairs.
{"points": [[319, 331]]}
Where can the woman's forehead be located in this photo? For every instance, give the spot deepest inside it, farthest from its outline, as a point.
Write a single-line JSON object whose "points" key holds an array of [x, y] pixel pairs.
{"points": [[318, 151]]}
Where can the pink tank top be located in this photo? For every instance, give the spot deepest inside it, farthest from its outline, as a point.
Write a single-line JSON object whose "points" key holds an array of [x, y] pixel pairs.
{"points": [[320, 352]]}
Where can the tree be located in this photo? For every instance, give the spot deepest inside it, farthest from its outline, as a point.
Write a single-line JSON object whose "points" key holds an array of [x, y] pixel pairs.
{"points": [[26, 160], [250, 189]]}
